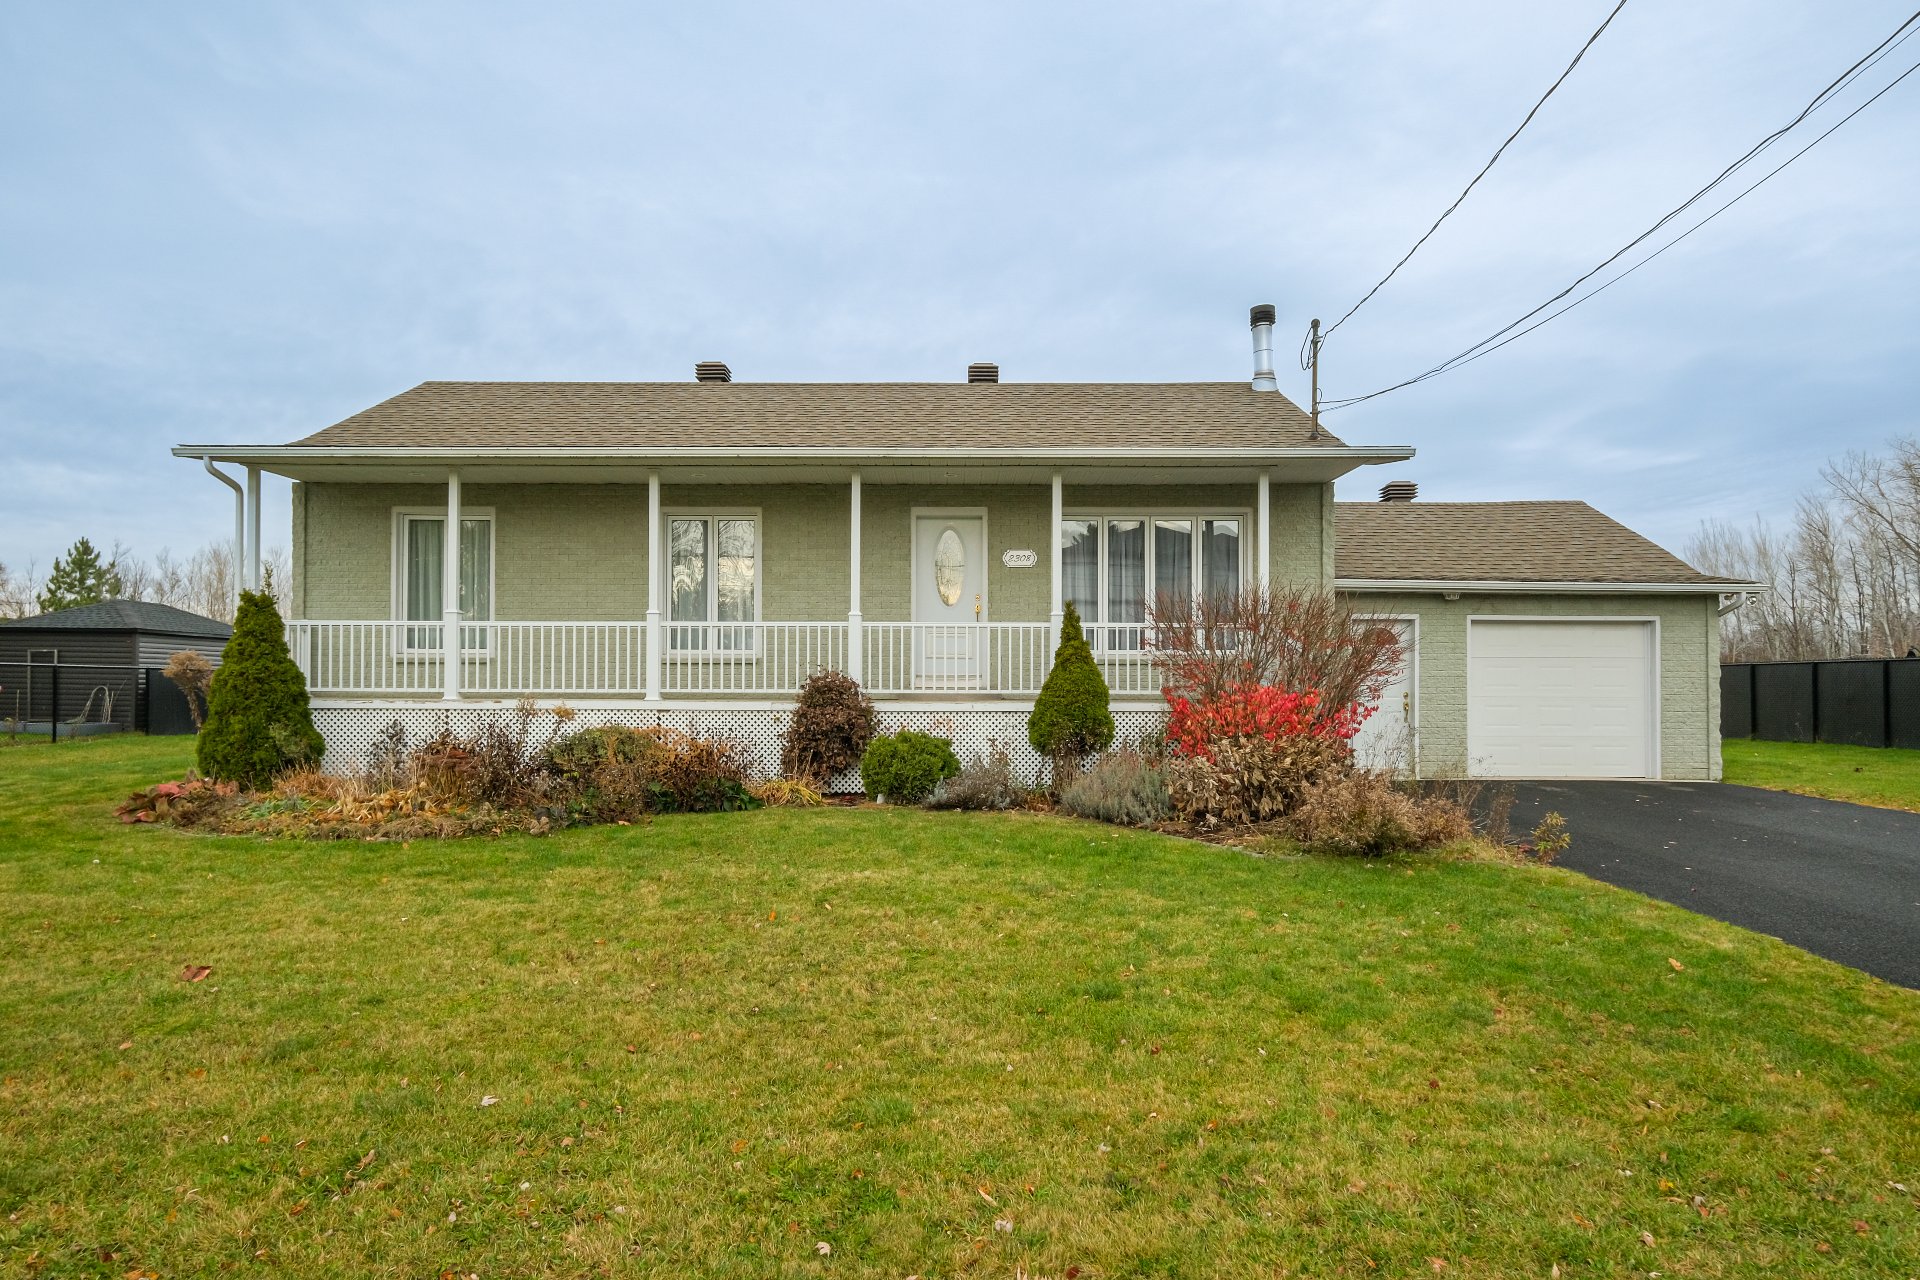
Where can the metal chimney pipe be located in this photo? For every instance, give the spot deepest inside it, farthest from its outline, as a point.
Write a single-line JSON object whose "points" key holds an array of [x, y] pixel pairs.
{"points": [[1261, 318]]}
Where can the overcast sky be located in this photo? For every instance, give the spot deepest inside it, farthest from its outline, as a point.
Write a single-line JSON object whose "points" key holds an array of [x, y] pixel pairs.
{"points": [[242, 222]]}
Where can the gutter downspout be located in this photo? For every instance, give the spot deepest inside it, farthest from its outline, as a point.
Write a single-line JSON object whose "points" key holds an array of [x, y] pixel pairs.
{"points": [[239, 525]]}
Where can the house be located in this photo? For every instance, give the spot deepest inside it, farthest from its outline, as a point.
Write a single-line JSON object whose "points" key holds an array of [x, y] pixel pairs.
{"points": [[103, 653], [686, 553]]}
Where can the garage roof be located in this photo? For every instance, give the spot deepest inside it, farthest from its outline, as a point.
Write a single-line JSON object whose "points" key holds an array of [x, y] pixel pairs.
{"points": [[1520, 542], [125, 615]]}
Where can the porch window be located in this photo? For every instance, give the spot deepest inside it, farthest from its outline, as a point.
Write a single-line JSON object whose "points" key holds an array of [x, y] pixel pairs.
{"points": [[1113, 567], [713, 582], [422, 556]]}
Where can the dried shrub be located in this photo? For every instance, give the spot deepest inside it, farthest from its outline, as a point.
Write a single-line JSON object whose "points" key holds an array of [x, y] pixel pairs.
{"points": [[786, 793], [833, 721], [182, 803], [1128, 788], [985, 783], [1488, 804], [386, 758], [1299, 639], [1362, 813], [193, 674], [905, 767], [615, 774], [687, 774], [1248, 780]]}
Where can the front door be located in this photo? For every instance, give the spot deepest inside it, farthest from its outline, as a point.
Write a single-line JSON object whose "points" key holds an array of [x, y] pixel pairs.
{"points": [[949, 600]]}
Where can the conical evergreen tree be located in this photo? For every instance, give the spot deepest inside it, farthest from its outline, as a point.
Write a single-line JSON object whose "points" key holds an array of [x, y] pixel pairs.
{"points": [[80, 577], [258, 719], [1071, 717]]}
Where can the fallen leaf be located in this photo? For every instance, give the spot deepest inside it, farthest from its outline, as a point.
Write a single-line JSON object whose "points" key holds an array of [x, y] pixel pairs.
{"points": [[196, 973], [1860, 1228], [1646, 1238], [1823, 1247], [822, 1248], [1677, 966], [126, 1044], [488, 1101], [985, 1195]]}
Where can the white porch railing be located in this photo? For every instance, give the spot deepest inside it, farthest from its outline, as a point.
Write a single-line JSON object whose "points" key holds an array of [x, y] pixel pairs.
{"points": [[763, 659]]}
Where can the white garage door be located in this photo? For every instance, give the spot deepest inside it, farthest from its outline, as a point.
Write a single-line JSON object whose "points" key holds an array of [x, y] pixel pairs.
{"points": [[1560, 699]]}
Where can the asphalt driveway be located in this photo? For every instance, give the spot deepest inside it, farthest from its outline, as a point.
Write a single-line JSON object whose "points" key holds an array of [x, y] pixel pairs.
{"points": [[1841, 880]]}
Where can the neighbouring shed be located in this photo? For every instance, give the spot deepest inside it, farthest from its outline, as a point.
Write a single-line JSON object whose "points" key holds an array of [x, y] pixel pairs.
{"points": [[104, 654]]}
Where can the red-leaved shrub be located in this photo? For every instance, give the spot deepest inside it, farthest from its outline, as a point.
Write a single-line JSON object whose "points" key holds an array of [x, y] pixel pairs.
{"points": [[1256, 711]]}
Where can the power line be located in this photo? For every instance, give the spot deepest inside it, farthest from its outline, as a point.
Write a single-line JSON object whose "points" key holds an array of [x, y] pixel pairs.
{"points": [[1498, 152], [1494, 340]]}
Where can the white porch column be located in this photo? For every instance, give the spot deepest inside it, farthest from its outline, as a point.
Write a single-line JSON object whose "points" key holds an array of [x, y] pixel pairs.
{"points": [[656, 654], [450, 593], [855, 642], [1053, 565], [1265, 551], [253, 528]]}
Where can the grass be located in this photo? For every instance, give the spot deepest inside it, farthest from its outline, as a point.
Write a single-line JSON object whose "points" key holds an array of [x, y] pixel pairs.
{"points": [[939, 1044], [1885, 776]]}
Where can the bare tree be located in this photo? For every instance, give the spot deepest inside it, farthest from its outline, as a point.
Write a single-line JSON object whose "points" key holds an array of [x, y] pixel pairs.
{"points": [[1843, 580]]}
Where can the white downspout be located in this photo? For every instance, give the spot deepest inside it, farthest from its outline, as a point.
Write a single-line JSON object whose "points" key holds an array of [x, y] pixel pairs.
{"points": [[856, 643], [450, 593], [239, 525], [253, 529], [655, 656]]}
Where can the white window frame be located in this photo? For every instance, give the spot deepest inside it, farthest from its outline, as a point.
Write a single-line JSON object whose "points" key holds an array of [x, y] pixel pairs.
{"points": [[663, 565], [398, 604], [1198, 515]]}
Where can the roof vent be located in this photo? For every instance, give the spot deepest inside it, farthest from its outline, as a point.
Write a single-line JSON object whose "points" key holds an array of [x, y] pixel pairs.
{"points": [[983, 372], [1399, 491], [712, 371]]}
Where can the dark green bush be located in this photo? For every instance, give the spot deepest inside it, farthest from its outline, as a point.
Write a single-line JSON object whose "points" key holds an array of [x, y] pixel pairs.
{"points": [[259, 723], [905, 767], [833, 721], [1071, 718]]}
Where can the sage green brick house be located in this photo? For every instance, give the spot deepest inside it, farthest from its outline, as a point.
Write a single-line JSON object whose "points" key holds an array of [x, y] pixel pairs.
{"points": [[688, 553]]}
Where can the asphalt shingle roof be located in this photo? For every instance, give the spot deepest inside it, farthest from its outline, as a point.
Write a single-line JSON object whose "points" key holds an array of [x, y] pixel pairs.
{"points": [[1499, 542], [881, 415], [126, 615]]}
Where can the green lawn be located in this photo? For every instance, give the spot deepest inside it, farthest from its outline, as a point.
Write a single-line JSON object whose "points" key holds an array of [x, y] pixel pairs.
{"points": [[1887, 776], [939, 1044]]}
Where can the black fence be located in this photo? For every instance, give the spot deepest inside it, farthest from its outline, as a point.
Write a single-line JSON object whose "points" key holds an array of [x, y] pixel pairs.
{"points": [[1862, 702], [66, 700]]}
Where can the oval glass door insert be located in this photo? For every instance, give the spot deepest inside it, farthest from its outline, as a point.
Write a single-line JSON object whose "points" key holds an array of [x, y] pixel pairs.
{"points": [[949, 566]]}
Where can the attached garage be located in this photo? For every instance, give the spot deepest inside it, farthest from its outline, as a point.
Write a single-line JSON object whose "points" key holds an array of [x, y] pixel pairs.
{"points": [[1548, 640], [1563, 698]]}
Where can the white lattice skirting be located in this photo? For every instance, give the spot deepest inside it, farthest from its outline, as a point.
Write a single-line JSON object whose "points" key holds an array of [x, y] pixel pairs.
{"points": [[350, 728]]}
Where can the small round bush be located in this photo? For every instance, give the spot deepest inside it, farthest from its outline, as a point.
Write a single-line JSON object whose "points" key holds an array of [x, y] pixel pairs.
{"points": [[259, 723], [1072, 717], [905, 767]]}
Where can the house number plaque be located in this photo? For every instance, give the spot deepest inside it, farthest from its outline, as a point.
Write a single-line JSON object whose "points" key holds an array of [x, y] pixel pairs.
{"points": [[1019, 559]]}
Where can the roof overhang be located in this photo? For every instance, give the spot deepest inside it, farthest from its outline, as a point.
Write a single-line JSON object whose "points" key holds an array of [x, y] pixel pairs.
{"points": [[1432, 586], [349, 464]]}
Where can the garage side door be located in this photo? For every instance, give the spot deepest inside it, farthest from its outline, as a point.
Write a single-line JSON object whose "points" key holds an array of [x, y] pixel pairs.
{"points": [[1560, 699]]}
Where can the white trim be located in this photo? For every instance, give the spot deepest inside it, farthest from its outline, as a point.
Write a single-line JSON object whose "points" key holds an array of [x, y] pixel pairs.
{"points": [[253, 529], [856, 640], [710, 514], [1263, 517], [1212, 456], [397, 569], [656, 589], [1413, 679], [1501, 587], [1654, 674]]}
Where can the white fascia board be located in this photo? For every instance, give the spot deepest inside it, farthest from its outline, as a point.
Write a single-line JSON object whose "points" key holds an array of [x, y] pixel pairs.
{"points": [[1431, 586], [266, 454]]}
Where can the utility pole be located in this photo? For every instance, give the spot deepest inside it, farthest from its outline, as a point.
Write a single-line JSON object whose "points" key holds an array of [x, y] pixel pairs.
{"points": [[1313, 366]]}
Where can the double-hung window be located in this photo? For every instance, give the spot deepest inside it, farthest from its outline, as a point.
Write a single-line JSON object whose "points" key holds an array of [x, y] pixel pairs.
{"points": [[1114, 567], [420, 561], [713, 582]]}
